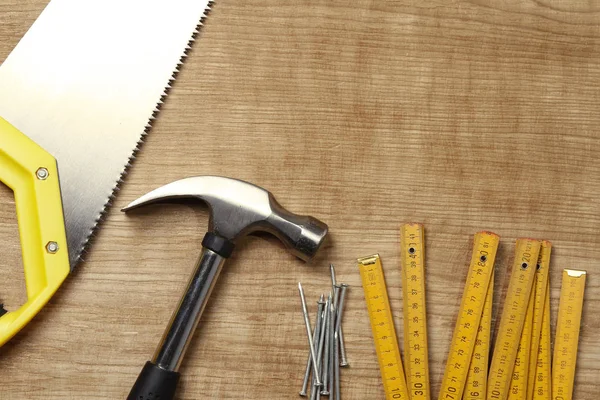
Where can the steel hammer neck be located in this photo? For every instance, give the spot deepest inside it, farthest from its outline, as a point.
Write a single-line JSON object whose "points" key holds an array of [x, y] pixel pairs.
{"points": [[180, 330]]}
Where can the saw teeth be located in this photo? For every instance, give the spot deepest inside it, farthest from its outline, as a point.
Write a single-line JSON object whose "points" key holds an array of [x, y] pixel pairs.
{"points": [[196, 31]]}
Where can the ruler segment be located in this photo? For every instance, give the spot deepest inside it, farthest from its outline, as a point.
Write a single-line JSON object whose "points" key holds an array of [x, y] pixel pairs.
{"points": [[513, 318], [543, 375], [416, 357], [568, 324], [382, 325], [540, 290], [475, 388], [469, 316], [520, 375]]}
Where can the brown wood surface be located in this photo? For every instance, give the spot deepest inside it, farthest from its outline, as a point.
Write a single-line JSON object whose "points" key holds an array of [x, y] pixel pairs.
{"points": [[463, 115]]}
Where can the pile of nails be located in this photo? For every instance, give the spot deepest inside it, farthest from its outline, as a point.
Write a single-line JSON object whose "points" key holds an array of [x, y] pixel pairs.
{"points": [[326, 342]]}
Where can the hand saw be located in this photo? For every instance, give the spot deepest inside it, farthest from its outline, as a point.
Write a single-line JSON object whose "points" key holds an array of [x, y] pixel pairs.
{"points": [[77, 95]]}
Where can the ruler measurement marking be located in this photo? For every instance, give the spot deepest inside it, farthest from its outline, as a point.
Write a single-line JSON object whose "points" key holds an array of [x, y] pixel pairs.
{"points": [[543, 374], [382, 326], [540, 290], [567, 333], [464, 336], [476, 386], [416, 355], [513, 318], [520, 375]]}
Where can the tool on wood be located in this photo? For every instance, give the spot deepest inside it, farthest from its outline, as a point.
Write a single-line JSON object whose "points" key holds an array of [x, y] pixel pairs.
{"points": [[469, 317], [316, 335], [327, 350], [416, 356], [476, 386], [343, 357], [338, 327], [77, 95], [333, 347], [237, 208], [316, 389], [520, 373], [513, 318], [543, 374], [311, 342], [382, 325], [541, 284], [570, 308]]}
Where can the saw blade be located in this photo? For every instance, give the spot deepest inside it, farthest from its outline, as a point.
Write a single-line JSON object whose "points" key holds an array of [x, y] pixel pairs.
{"points": [[85, 83]]}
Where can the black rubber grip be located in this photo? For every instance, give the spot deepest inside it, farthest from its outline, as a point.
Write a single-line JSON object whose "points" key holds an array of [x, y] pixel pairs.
{"points": [[218, 244], [154, 383]]}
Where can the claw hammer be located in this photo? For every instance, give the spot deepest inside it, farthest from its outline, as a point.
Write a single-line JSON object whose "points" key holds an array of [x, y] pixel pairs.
{"points": [[237, 208]]}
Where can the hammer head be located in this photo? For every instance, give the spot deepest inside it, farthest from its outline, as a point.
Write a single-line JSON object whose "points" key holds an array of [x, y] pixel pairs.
{"points": [[238, 208]]}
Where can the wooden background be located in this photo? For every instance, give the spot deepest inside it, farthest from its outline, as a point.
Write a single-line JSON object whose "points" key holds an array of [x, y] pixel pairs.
{"points": [[463, 115]]}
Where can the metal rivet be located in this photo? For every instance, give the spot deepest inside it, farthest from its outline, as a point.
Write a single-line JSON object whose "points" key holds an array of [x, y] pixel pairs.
{"points": [[42, 173], [524, 266], [52, 247]]}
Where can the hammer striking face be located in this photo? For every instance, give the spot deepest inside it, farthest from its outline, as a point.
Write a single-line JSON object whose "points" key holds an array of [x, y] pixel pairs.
{"points": [[237, 208]]}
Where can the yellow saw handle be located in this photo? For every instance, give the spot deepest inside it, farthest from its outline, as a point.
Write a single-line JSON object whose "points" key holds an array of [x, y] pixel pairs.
{"points": [[32, 174]]}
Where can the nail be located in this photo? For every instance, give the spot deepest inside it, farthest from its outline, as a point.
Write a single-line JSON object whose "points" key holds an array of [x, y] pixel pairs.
{"points": [[333, 339], [344, 360], [316, 333], [316, 393], [311, 344], [336, 365], [327, 349], [333, 280]]}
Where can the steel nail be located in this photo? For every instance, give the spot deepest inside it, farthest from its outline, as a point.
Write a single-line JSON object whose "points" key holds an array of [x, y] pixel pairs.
{"points": [[336, 367], [344, 360], [311, 344], [333, 339], [316, 333], [307, 373], [316, 393], [333, 280], [327, 349]]}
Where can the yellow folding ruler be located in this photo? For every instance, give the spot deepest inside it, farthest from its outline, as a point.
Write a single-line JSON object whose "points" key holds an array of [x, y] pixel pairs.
{"points": [[382, 325], [540, 289], [416, 358], [542, 389], [469, 316], [568, 322], [513, 318], [476, 386], [520, 374]]}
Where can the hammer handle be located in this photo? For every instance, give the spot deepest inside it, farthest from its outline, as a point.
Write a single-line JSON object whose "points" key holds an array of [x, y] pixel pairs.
{"points": [[154, 383], [178, 334], [159, 377]]}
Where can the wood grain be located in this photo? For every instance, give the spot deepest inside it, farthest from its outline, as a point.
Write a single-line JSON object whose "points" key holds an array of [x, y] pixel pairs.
{"points": [[462, 115]]}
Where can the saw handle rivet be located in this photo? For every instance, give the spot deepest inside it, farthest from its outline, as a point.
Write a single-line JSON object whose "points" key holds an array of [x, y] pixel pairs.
{"points": [[52, 247], [42, 174]]}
